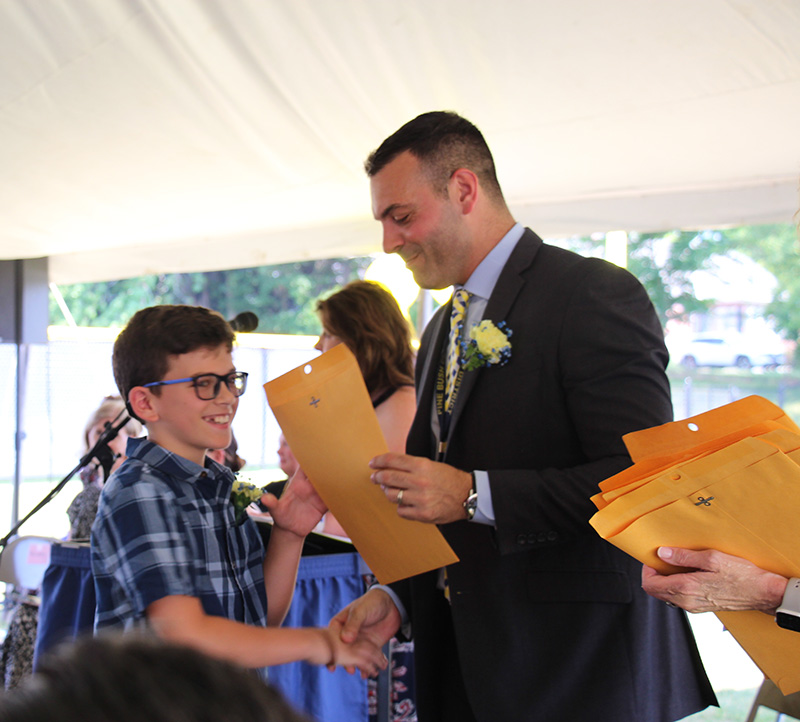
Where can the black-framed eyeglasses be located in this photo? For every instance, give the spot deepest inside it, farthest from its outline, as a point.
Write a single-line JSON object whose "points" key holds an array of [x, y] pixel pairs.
{"points": [[207, 386]]}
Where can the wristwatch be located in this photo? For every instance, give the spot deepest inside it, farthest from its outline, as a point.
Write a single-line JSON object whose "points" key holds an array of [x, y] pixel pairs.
{"points": [[788, 614], [471, 503]]}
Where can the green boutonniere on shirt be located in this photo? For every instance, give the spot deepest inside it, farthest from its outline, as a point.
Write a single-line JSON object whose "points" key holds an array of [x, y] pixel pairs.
{"points": [[243, 493], [488, 345]]}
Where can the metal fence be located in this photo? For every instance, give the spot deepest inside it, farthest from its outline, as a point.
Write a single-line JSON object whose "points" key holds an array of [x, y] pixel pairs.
{"points": [[66, 380], [693, 393]]}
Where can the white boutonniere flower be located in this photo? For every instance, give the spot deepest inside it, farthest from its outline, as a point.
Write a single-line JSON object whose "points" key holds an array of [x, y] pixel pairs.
{"points": [[488, 345], [243, 493]]}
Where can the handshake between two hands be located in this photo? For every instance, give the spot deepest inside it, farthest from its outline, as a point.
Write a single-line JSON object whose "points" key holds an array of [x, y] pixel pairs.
{"points": [[363, 627], [356, 635]]}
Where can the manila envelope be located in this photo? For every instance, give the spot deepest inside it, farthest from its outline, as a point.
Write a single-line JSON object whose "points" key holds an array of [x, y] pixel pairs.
{"points": [[728, 479], [325, 412]]}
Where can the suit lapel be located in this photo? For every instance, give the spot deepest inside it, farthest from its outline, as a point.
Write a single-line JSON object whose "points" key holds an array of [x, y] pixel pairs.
{"points": [[509, 284], [438, 333]]}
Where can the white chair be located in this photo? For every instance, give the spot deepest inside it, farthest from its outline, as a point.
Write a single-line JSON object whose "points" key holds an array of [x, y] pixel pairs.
{"points": [[24, 561]]}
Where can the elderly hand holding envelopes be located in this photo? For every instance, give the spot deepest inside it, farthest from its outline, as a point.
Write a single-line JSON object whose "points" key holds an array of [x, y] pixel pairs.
{"points": [[728, 479], [327, 417]]}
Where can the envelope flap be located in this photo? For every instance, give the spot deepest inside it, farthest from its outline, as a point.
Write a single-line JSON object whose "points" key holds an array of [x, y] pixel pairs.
{"points": [[678, 436], [317, 372]]}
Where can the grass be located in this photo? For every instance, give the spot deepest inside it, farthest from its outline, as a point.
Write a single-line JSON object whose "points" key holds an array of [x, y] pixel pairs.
{"points": [[734, 706]]}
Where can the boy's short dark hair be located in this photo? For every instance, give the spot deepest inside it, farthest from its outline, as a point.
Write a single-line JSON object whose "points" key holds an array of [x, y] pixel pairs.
{"points": [[142, 350]]}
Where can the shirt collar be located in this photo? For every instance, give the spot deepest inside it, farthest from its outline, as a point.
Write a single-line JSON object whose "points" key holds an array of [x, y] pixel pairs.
{"points": [[167, 462], [484, 278]]}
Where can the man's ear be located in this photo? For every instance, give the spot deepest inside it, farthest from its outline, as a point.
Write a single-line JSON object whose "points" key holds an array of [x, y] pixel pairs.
{"points": [[464, 189], [141, 401]]}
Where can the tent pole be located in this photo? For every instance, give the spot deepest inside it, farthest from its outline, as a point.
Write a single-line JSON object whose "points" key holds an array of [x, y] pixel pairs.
{"points": [[23, 289], [22, 374], [425, 311]]}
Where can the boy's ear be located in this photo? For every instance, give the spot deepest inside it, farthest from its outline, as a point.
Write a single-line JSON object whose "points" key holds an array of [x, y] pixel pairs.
{"points": [[141, 401]]}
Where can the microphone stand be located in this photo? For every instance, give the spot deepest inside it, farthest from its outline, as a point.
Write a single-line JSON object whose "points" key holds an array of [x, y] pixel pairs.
{"points": [[100, 451]]}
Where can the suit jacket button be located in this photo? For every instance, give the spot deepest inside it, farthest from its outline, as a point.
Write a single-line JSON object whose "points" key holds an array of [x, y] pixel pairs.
{"points": [[542, 537], [521, 540], [531, 538], [552, 535]]}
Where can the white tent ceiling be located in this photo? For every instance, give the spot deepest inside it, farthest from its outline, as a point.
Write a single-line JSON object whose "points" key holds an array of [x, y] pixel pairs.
{"points": [[141, 136]]}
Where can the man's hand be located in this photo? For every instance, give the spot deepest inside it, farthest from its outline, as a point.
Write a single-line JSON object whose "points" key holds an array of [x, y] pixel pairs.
{"points": [[423, 490], [372, 617], [717, 582], [299, 508]]}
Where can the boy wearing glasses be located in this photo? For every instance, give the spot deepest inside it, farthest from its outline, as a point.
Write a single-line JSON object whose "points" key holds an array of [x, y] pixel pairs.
{"points": [[167, 552]]}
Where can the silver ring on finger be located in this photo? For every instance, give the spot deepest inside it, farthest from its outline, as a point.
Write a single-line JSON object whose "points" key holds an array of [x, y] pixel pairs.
{"points": [[400, 497]]}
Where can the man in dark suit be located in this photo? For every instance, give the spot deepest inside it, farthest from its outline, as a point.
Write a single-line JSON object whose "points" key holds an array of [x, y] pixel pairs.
{"points": [[541, 619]]}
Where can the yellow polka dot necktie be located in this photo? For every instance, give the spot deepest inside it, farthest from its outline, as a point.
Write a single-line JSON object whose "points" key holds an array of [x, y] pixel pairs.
{"points": [[457, 315]]}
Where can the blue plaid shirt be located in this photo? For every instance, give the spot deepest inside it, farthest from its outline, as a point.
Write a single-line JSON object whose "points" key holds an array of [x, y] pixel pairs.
{"points": [[166, 526]]}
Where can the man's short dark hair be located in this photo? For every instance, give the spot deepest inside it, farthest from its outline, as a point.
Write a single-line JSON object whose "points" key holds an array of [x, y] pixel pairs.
{"points": [[443, 142], [142, 350]]}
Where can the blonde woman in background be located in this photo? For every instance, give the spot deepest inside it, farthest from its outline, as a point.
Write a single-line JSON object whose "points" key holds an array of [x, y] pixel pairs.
{"points": [[83, 509]]}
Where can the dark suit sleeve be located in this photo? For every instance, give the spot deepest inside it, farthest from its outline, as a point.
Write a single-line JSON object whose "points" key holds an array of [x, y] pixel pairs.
{"points": [[594, 371]]}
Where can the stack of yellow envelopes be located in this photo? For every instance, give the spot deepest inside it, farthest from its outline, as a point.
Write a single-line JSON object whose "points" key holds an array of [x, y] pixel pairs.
{"points": [[728, 479]]}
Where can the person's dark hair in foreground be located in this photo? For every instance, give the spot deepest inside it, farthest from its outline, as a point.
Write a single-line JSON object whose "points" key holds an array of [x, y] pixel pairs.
{"points": [[137, 678]]}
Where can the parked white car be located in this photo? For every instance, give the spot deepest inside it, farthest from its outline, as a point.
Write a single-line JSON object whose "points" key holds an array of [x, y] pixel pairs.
{"points": [[734, 349]]}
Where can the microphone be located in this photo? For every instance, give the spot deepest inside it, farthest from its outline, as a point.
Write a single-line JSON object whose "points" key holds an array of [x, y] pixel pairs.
{"points": [[244, 322], [101, 451], [105, 459]]}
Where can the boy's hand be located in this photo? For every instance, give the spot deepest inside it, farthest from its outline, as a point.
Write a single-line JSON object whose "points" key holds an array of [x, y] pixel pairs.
{"points": [[299, 509], [362, 655]]}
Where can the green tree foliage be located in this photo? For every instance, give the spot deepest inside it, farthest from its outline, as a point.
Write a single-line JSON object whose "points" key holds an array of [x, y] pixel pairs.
{"points": [[283, 297], [776, 248], [664, 262]]}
